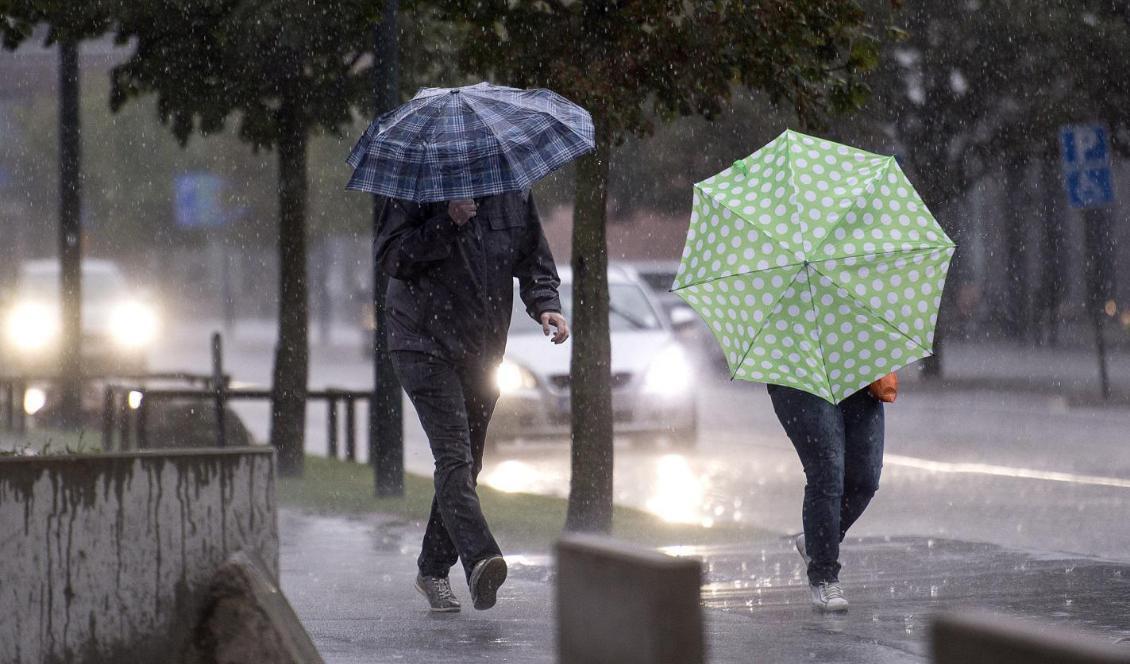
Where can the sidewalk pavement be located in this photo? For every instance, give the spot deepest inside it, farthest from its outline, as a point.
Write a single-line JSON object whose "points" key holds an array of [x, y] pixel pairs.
{"points": [[350, 581], [1069, 371]]}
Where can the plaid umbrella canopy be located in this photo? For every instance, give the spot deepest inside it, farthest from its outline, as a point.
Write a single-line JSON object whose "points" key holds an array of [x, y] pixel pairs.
{"points": [[816, 265], [477, 140]]}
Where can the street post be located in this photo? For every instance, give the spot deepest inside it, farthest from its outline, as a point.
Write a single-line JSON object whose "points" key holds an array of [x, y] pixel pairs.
{"points": [[198, 205], [1089, 184], [70, 237]]}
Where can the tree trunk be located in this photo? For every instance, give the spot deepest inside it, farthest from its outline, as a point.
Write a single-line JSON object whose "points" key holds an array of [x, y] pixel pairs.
{"points": [[1016, 321], [386, 412], [70, 238], [288, 407], [590, 487], [1051, 285]]}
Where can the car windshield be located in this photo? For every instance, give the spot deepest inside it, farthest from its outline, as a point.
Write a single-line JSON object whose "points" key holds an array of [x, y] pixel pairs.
{"points": [[96, 284], [629, 309], [658, 280]]}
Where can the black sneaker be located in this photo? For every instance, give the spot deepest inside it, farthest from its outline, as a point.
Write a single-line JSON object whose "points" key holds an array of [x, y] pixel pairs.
{"points": [[438, 592], [486, 577]]}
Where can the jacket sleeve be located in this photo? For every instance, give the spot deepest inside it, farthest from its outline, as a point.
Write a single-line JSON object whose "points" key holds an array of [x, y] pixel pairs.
{"points": [[408, 241], [535, 269]]}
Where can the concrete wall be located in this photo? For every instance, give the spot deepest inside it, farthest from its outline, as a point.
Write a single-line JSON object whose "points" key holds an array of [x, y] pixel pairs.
{"points": [[106, 558]]}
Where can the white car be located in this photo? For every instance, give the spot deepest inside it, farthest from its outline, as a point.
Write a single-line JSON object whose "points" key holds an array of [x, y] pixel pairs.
{"points": [[653, 393], [118, 325]]}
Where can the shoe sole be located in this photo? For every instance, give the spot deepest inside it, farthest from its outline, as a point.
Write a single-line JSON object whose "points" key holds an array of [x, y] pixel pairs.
{"points": [[822, 608], [450, 609], [490, 579]]}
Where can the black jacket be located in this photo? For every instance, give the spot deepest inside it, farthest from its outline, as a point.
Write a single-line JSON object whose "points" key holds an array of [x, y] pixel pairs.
{"points": [[452, 290]]}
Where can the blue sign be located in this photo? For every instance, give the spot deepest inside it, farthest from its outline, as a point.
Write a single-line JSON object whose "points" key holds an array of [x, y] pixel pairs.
{"points": [[1086, 166], [197, 201]]}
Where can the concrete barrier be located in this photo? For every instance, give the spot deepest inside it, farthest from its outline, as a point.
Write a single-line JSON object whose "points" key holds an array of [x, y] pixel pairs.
{"points": [[986, 638], [246, 618], [108, 558], [622, 604]]}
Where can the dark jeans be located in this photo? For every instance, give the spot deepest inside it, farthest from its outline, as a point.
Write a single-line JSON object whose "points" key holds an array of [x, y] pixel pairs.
{"points": [[841, 449], [455, 403]]}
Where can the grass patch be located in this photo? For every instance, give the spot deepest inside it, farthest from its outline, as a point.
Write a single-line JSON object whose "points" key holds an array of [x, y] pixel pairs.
{"points": [[520, 519]]}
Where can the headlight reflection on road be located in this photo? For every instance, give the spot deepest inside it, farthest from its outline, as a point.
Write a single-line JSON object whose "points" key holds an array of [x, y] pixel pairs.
{"points": [[512, 476], [679, 492]]}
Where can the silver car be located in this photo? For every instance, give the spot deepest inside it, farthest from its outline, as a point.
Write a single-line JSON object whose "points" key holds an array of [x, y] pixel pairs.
{"points": [[653, 386], [118, 323]]}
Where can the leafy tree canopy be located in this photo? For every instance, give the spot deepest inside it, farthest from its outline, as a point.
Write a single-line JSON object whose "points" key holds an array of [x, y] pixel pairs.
{"points": [[208, 60], [624, 59], [66, 20]]}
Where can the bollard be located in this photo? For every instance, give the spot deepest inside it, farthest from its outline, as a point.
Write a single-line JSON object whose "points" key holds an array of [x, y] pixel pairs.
{"points": [[124, 418], [331, 425], [350, 429], [21, 414], [141, 416], [108, 419], [623, 604], [9, 405], [219, 385], [978, 637]]}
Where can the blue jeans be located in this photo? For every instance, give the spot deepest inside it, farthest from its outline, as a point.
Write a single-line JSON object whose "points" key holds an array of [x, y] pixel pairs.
{"points": [[841, 449], [455, 403]]}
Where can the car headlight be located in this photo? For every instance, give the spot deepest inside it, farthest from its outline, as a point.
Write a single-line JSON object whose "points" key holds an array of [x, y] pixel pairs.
{"points": [[32, 326], [133, 325], [34, 400], [512, 377], [669, 374]]}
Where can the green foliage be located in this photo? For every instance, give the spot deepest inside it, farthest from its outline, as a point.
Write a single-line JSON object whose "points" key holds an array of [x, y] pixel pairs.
{"points": [[263, 61], [630, 63], [66, 20], [972, 85]]}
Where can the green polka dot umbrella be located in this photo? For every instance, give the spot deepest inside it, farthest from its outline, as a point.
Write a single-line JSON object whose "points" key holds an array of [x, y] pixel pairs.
{"points": [[816, 266]]}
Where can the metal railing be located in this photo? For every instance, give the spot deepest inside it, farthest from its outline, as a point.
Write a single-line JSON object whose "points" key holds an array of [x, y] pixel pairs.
{"points": [[125, 425], [14, 387], [128, 401]]}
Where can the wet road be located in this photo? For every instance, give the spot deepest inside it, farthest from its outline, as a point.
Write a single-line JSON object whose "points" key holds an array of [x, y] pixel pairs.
{"points": [[1018, 470]]}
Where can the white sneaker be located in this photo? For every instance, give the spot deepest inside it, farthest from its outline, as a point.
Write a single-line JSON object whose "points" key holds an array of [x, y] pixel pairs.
{"points": [[828, 596]]}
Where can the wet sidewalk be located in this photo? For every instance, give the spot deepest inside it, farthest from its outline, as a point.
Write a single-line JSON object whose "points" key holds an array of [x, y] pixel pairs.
{"points": [[350, 581]]}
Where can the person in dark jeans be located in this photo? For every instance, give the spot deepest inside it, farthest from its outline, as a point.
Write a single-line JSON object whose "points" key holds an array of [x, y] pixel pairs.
{"points": [[450, 296], [841, 449]]}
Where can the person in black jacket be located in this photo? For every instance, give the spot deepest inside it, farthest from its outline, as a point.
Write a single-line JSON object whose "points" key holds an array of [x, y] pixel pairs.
{"points": [[448, 304]]}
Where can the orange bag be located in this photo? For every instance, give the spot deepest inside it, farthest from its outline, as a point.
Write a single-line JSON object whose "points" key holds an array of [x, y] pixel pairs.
{"points": [[886, 389]]}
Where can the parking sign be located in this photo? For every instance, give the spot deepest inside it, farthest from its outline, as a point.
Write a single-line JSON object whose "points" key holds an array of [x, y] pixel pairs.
{"points": [[197, 201], [1086, 166]]}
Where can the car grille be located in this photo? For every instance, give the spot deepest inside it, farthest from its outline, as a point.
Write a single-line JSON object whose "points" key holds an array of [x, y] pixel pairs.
{"points": [[561, 382]]}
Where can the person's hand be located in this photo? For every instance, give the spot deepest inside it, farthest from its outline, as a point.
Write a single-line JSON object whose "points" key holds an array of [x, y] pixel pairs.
{"points": [[461, 211], [558, 323]]}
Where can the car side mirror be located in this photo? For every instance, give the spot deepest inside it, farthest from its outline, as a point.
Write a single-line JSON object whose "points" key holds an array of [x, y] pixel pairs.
{"points": [[682, 317]]}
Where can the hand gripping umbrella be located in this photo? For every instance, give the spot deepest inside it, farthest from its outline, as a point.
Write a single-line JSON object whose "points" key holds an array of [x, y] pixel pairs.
{"points": [[477, 140], [816, 266]]}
